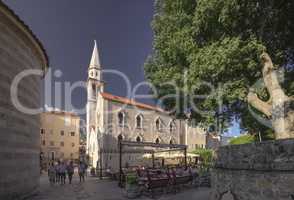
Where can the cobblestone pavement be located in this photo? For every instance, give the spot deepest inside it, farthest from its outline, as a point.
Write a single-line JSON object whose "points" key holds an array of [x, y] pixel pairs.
{"points": [[95, 189]]}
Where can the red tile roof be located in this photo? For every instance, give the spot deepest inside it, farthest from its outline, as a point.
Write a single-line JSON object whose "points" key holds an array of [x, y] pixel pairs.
{"points": [[127, 101]]}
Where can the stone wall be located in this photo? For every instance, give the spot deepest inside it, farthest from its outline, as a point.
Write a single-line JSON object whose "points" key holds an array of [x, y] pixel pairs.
{"points": [[19, 132], [259, 171]]}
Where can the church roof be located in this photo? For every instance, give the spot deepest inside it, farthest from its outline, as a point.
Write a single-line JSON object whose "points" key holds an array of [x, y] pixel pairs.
{"points": [[95, 60], [131, 102]]}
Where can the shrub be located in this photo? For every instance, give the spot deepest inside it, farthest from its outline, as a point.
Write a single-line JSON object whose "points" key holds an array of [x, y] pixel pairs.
{"points": [[206, 155]]}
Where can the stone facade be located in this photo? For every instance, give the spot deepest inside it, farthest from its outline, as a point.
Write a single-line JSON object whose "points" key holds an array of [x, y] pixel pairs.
{"points": [[19, 132], [110, 117], [61, 141], [154, 126], [195, 137], [260, 171]]}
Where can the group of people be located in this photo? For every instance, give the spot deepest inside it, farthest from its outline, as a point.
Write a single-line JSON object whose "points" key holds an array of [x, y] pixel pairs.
{"points": [[57, 172]]}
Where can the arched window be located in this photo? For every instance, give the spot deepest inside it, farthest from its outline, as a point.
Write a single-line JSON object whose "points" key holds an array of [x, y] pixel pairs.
{"points": [[94, 89], [119, 137], [172, 126], [171, 142], [157, 141], [139, 121], [158, 124], [138, 139], [121, 119]]}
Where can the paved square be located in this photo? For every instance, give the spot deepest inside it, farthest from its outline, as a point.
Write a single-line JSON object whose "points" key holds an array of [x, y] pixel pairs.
{"points": [[95, 189]]}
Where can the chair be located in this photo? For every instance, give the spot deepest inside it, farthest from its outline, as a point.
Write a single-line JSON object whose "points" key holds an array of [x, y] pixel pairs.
{"points": [[156, 183]]}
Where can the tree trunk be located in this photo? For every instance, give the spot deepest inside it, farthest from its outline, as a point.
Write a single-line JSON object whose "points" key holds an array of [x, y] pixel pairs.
{"points": [[280, 108]]}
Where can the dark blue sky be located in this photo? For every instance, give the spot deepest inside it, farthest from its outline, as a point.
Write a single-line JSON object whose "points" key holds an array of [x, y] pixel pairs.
{"points": [[67, 29]]}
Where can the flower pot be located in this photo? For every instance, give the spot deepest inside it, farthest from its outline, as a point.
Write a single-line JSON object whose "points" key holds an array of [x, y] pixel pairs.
{"points": [[132, 191]]}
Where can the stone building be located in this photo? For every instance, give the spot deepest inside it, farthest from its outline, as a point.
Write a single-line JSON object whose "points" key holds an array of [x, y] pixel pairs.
{"points": [[110, 118], [19, 132], [195, 137], [59, 136], [213, 141]]}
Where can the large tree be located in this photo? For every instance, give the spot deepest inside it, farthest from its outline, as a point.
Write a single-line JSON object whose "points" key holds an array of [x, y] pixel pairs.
{"points": [[229, 44]]}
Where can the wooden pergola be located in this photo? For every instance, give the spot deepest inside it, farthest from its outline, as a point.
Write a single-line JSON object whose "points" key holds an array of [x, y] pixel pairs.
{"points": [[162, 147]]}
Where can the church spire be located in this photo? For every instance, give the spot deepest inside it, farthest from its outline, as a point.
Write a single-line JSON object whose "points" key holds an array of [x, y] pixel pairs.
{"points": [[95, 60]]}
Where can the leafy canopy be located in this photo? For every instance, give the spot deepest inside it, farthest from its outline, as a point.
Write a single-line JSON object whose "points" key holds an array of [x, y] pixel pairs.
{"points": [[219, 42]]}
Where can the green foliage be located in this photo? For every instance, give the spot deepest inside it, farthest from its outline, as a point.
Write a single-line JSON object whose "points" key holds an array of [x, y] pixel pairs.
{"points": [[219, 41], [205, 154], [244, 139], [131, 179]]}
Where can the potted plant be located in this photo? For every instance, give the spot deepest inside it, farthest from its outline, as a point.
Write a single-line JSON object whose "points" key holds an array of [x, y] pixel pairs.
{"points": [[132, 188]]}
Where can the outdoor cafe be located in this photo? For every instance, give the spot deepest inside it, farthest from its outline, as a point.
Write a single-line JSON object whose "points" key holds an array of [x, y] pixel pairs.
{"points": [[169, 169]]}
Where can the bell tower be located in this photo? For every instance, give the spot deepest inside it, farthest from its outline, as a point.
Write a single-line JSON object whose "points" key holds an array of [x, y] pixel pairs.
{"points": [[94, 86]]}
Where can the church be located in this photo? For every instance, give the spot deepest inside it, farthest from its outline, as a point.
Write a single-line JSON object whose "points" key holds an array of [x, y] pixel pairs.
{"points": [[110, 118]]}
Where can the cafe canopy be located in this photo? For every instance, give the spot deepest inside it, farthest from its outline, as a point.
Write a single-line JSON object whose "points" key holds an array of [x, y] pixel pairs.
{"points": [[149, 148]]}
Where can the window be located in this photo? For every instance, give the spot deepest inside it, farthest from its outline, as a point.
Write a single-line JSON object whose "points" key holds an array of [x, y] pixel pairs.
{"points": [[62, 144], [51, 143], [139, 121], [138, 139], [171, 126], [158, 124], [121, 119], [72, 134], [94, 89], [157, 141], [43, 142], [42, 131], [72, 144], [119, 138], [62, 133], [171, 142], [52, 155]]}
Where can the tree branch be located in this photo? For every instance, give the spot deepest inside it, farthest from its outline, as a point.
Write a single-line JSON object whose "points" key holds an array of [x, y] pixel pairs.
{"points": [[270, 77], [260, 105]]}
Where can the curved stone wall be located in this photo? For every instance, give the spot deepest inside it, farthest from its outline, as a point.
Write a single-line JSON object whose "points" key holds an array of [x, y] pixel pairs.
{"points": [[260, 171], [19, 132]]}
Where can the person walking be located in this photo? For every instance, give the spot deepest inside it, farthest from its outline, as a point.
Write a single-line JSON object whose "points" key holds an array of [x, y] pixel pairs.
{"points": [[62, 171], [51, 173], [57, 172], [70, 171], [81, 170]]}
